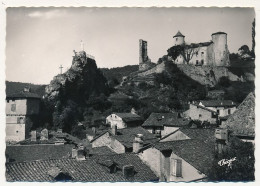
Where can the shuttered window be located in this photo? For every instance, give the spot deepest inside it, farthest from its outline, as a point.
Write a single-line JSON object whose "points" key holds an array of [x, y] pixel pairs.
{"points": [[13, 107], [177, 167]]}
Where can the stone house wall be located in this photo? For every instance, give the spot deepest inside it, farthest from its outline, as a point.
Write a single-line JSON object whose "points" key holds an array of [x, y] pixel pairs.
{"points": [[108, 141], [113, 119], [196, 113]]}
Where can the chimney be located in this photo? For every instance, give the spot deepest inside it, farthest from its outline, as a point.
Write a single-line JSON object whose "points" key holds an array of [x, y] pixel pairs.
{"points": [[27, 89], [74, 152], [114, 129], [44, 135], [94, 130], [80, 153], [128, 171], [138, 143], [33, 135], [221, 136]]}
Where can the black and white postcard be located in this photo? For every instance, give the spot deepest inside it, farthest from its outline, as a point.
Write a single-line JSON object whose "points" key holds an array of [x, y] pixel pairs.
{"points": [[129, 94]]}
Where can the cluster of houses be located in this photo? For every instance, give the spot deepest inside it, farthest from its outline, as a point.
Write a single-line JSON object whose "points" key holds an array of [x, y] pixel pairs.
{"points": [[164, 147]]}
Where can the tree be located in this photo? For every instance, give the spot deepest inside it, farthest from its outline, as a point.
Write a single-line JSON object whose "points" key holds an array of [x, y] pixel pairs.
{"points": [[186, 51], [241, 169], [244, 50]]}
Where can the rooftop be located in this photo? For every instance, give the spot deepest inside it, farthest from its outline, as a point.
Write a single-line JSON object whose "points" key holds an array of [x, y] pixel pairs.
{"points": [[89, 170], [196, 45], [196, 152], [23, 94], [219, 33], [21, 153], [204, 108], [217, 103], [129, 117], [204, 134], [242, 121], [178, 34], [101, 151], [216, 91], [127, 135], [165, 119]]}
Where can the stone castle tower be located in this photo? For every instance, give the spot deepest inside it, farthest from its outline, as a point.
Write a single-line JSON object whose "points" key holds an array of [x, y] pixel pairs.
{"points": [[220, 49], [178, 39], [144, 60]]}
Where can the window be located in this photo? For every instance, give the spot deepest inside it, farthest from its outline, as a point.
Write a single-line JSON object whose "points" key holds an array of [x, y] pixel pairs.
{"points": [[197, 62], [213, 115], [20, 120], [202, 53], [7, 101], [218, 111], [202, 61], [197, 53], [176, 39], [13, 107], [200, 115], [177, 167], [229, 111]]}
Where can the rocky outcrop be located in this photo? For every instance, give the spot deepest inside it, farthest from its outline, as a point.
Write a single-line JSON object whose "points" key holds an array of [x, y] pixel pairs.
{"points": [[79, 82], [207, 75]]}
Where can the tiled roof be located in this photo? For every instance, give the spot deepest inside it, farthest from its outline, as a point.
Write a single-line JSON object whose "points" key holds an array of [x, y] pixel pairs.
{"points": [[218, 103], [101, 151], [126, 136], [196, 152], [196, 45], [88, 170], [165, 119], [242, 121], [216, 91], [179, 34], [20, 153], [129, 117], [206, 135], [204, 108], [23, 94]]}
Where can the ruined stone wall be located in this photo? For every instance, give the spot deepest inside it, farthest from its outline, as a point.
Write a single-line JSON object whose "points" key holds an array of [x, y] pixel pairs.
{"points": [[142, 51], [201, 114], [157, 69]]}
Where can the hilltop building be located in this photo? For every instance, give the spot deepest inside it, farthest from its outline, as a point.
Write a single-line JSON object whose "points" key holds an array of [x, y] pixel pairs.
{"points": [[212, 53], [19, 108]]}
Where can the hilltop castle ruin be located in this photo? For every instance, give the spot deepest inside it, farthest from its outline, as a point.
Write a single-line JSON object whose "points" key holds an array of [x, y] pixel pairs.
{"points": [[212, 53]]}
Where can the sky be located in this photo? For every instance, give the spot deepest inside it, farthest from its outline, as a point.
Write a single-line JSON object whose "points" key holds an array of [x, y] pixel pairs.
{"points": [[39, 40]]}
